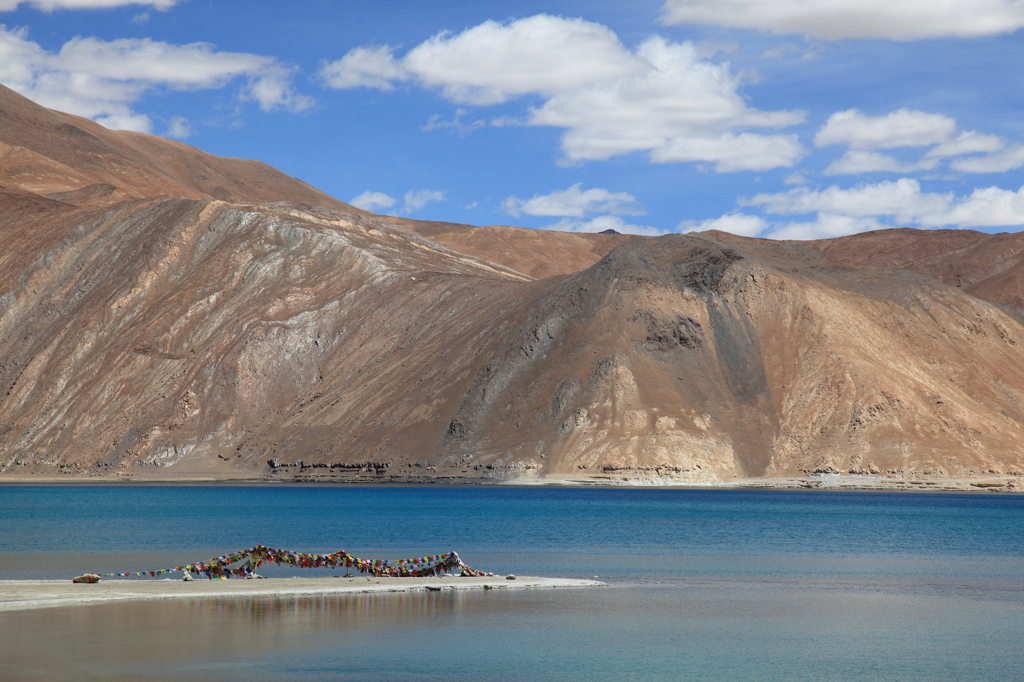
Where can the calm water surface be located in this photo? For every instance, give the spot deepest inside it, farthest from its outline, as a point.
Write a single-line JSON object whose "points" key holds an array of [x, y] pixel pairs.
{"points": [[704, 585]]}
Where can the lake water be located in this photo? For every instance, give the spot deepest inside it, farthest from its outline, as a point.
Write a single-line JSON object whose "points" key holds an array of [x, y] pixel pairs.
{"points": [[703, 584]]}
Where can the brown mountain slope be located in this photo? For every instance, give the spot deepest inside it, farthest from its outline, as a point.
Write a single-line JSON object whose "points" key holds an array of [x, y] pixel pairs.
{"points": [[80, 162], [178, 334], [164, 330], [46, 152], [175, 336], [537, 253], [682, 354], [989, 266]]}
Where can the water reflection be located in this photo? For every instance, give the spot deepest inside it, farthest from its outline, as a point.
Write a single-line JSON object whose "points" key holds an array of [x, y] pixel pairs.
{"points": [[749, 631], [151, 640]]}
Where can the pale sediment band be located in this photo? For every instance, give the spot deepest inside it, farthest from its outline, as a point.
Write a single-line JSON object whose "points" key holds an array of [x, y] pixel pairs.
{"points": [[18, 595]]}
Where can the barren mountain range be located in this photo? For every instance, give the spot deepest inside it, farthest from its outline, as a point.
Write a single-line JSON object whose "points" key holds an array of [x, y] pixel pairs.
{"points": [[165, 313]]}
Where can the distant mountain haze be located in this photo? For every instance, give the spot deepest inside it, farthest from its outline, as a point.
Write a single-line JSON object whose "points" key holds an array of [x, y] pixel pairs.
{"points": [[166, 313]]}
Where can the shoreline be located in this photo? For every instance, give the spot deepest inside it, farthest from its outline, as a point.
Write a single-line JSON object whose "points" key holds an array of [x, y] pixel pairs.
{"points": [[852, 482], [21, 595]]}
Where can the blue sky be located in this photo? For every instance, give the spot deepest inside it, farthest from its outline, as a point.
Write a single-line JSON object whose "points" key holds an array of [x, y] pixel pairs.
{"points": [[788, 119]]}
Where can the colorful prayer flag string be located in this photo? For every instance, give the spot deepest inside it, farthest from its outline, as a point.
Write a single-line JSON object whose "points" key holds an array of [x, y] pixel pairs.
{"points": [[258, 556]]}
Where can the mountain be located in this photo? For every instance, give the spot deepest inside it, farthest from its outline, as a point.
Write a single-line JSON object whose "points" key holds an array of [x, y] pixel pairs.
{"points": [[537, 253], [195, 316], [48, 152], [988, 266]]}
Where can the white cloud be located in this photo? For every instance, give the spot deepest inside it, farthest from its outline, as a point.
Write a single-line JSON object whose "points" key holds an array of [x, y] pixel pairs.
{"points": [[271, 88], [179, 127], [988, 207], [901, 128], [417, 199], [139, 123], [574, 203], [663, 98], [843, 19], [680, 109], [856, 161], [455, 123], [1006, 160], [734, 223], [730, 152], [364, 67], [412, 201], [901, 198], [826, 226], [906, 128], [601, 224], [51, 5], [372, 201], [492, 62], [904, 202], [968, 142], [18, 57], [102, 80]]}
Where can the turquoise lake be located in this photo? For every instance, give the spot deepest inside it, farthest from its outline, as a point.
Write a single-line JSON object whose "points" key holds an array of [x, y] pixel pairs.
{"points": [[703, 584]]}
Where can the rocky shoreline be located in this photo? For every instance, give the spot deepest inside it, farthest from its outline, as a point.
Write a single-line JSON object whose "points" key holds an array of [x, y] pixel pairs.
{"points": [[885, 482]]}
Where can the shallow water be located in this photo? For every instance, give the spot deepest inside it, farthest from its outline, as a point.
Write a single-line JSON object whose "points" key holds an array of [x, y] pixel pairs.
{"points": [[704, 585]]}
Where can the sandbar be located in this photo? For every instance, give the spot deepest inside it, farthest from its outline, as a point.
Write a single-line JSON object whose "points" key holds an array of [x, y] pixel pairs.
{"points": [[17, 595]]}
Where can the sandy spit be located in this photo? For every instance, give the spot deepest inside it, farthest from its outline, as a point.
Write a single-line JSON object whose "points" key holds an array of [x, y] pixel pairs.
{"points": [[17, 595]]}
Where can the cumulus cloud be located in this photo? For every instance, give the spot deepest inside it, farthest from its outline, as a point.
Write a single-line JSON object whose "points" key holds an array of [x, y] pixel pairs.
{"points": [[903, 201], [907, 128], [663, 98], [492, 62], [51, 5], [271, 88], [734, 223], [179, 127], [417, 199], [988, 207], [601, 224], [455, 123], [1009, 159], [412, 201], [574, 203], [857, 161], [681, 109], [901, 128], [373, 201], [825, 226], [730, 152], [364, 67], [968, 142], [844, 19], [139, 123], [102, 79]]}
